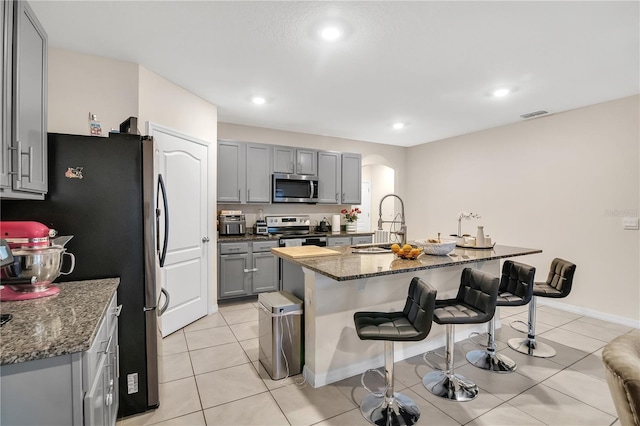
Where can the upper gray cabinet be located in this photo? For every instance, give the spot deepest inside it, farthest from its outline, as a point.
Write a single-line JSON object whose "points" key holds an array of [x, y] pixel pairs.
{"points": [[291, 160], [231, 176], [351, 178], [306, 162], [284, 159], [23, 167], [329, 177], [258, 173]]}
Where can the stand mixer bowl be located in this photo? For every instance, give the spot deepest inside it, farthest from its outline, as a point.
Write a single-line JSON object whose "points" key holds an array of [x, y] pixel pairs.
{"points": [[43, 263]]}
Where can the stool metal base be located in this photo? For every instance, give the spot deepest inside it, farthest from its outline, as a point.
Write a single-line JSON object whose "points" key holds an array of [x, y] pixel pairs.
{"points": [[402, 411], [454, 388], [486, 360], [528, 347]]}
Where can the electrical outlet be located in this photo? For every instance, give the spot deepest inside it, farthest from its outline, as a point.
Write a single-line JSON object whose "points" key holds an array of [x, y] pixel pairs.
{"points": [[630, 223], [132, 383]]}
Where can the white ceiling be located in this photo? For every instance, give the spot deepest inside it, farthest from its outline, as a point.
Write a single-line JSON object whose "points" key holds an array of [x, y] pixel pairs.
{"points": [[430, 64]]}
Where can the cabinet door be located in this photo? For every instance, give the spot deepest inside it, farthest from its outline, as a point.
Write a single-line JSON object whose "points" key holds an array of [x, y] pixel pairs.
{"points": [[351, 178], [112, 389], [283, 159], [6, 15], [307, 162], [231, 174], [29, 141], [265, 278], [338, 241], [233, 281], [94, 399], [367, 239], [328, 177], [258, 173]]}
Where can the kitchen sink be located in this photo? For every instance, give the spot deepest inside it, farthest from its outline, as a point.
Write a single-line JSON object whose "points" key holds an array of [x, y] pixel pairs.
{"points": [[369, 249]]}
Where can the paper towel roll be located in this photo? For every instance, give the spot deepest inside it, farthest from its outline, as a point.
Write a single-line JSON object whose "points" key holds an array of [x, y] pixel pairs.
{"points": [[335, 224]]}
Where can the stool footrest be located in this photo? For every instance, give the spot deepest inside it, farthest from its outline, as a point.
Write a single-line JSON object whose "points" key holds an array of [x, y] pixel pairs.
{"points": [[511, 324], [498, 363], [399, 411], [454, 387], [380, 394], [531, 347]]}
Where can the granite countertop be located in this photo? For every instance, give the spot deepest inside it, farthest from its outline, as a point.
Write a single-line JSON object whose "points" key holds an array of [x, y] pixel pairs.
{"points": [[57, 325], [255, 237], [352, 266]]}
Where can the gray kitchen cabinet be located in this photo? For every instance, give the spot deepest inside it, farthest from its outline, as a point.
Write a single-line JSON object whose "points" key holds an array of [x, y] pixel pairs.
{"points": [[351, 178], [291, 160], [23, 166], [329, 177], [307, 162], [362, 239], [284, 159], [338, 241], [247, 268], [258, 166], [231, 171], [80, 388]]}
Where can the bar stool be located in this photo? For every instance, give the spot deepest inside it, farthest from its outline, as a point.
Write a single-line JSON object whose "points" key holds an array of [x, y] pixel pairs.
{"points": [[474, 304], [412, 324], [558, 285], [516, 289]]}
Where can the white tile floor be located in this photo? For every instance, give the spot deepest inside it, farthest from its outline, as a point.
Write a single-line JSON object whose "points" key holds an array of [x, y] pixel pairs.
{"points": [[210, 375]]}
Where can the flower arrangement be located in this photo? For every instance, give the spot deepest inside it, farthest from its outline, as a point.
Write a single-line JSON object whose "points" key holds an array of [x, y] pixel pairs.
{"points": [[351, 215], [465, 215]]}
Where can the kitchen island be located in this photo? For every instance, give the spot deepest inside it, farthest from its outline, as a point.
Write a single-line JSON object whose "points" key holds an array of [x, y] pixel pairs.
{"points": [[337, 286]]}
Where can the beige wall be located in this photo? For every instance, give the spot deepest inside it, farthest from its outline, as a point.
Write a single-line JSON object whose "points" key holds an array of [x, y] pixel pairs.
{"points": [[165, 103], [79, 84], [559, 183]]}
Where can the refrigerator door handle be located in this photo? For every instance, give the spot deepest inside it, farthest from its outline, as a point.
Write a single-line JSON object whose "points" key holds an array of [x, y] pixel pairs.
{"points": [[166, 303], [161, 188]]}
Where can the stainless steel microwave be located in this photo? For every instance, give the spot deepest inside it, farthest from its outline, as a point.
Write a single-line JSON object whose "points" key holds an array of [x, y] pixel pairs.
{"points": [[294, 188]]}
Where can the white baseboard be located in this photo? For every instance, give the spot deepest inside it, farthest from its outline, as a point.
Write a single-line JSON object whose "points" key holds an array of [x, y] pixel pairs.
{"points": [[213, 308], [629, 322]]}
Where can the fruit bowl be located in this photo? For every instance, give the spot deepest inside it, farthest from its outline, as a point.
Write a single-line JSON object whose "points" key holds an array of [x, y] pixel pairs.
{"points": [[407, 251], [443, 248]]}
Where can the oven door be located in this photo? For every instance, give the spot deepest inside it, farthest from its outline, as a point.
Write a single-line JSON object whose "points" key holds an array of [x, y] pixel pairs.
{"points": [[313, 241], [294, 188]]}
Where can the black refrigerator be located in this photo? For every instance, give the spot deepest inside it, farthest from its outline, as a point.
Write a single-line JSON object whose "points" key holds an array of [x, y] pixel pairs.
{"points": [[103, 191]]}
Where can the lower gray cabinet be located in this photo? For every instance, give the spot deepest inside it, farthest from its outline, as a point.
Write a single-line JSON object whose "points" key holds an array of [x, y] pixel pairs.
{"points": [[245, 269], [362, 239], [338, 241], [80, 388]]}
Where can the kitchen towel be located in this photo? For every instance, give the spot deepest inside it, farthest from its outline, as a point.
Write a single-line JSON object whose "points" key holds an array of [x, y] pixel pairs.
{"points": [[335, 224]]}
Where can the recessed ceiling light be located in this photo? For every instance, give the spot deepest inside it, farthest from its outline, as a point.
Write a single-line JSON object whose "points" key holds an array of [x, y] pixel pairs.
{"points": [[500, 93], [398, 126], [330, 33], [258, 100]]}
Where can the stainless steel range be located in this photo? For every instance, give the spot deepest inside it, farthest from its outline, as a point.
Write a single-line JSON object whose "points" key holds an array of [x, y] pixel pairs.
{"points": [[294, 230]]}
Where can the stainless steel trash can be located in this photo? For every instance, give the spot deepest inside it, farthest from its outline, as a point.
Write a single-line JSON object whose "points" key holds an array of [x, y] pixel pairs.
{"points": [[280, 334]]}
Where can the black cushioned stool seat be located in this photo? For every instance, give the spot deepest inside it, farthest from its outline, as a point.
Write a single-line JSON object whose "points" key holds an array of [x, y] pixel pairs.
{"points": [[558, 285], [474, 304], [516, 289], [412, 324]]}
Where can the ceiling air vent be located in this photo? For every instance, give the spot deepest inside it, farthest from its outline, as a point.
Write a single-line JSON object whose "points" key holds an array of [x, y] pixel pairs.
{"points": [[534, 114]]}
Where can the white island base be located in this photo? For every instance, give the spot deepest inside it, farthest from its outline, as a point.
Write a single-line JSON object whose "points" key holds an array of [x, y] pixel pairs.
{"points": [[334, 352]]}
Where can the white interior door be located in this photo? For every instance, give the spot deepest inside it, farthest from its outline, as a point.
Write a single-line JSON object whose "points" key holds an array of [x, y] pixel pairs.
{"points": [[183, 163]]}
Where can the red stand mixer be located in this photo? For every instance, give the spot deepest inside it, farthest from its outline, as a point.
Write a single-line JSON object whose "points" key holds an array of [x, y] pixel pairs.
{"points": [[31, 260]]}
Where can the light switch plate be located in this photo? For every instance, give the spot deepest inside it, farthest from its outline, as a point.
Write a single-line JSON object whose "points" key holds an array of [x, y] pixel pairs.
{"points": [[630, 223]]}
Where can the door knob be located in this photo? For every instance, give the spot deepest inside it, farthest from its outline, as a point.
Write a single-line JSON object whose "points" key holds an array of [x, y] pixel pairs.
{"points": [[205, 239]]}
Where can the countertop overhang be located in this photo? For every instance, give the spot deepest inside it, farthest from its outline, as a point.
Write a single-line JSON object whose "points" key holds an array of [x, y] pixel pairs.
{"points": [[352, 266], [57, 325]]}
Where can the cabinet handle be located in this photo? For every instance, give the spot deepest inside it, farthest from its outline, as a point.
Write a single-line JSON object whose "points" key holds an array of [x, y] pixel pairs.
{"points": [[19, 175], [248, 194], [106, 350], [117, 310], [250, 270], [238, 194], [205, 239], [337, 196], [343, 196]]}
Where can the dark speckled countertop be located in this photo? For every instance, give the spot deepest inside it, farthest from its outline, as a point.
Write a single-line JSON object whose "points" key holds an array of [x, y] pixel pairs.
{"points": [[56, 325], [255, 237], [353, 266]]}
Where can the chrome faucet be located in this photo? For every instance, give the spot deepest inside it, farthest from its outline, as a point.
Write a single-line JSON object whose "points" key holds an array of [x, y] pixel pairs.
{"points": [[403, 227]]}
